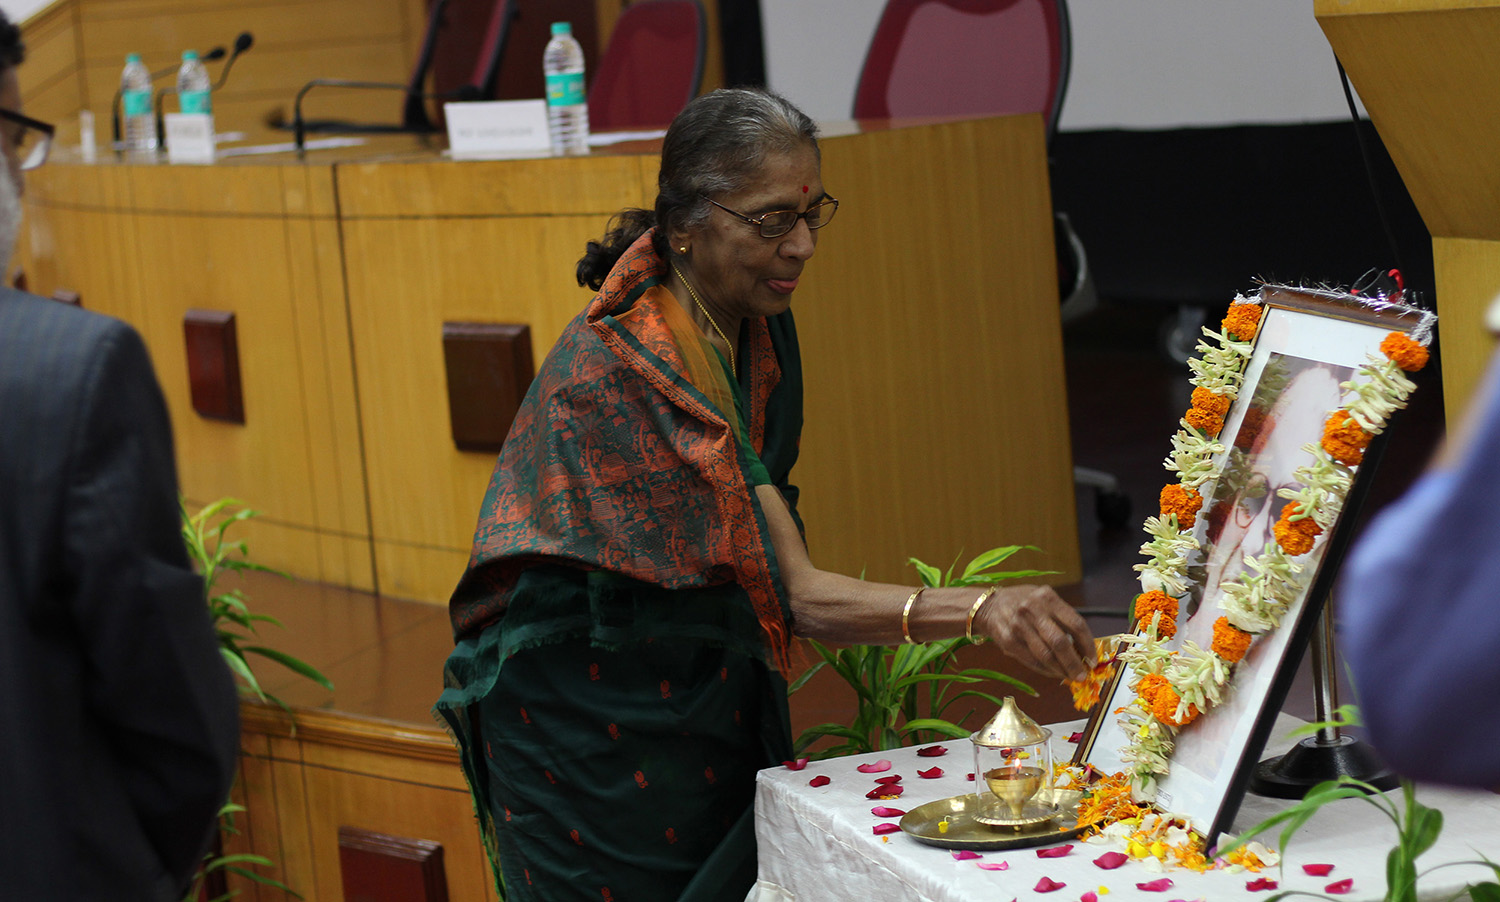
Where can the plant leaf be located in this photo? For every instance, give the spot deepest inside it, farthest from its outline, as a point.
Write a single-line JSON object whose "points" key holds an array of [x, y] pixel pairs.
{"points": [[947, 728], [292, 663], [931, 577]]}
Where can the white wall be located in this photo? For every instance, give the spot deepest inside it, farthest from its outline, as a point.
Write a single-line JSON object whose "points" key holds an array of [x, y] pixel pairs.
{"points": [[1136, 63], [18, 10]]}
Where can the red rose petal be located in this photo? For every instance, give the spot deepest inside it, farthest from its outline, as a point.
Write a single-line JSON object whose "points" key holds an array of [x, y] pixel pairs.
{"points": [[932, 751], [931, 773], [1338, 888], [1155, 886], [795, 765], [995, 865], [1054, 852], [1048, 885], [966, 855], [875, 767], [1075, 737], [886, 781], [1111, 860], [1089, 896], [971, 778], [1317, 870], [882, 811], [819, 780], [1260, 884], [886, 828], [885, 792]]}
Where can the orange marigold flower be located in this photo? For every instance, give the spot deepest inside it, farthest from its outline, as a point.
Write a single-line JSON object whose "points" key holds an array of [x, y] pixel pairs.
{"points": [[1295, 536], [1343, 439], [1203, 399], [1230, 642], [1164, 708], [1148, 603], [1150, 685], [1204, 421], [1407, 354], [1182, 501], [1242, 321]]}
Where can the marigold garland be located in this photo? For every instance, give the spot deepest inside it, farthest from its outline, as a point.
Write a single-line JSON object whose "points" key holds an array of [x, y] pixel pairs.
{"points": [[1174, 687]]}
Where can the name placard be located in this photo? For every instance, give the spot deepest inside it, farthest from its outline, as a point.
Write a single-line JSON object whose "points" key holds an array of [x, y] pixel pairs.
{"points": [[190, 137], [497, 128]]}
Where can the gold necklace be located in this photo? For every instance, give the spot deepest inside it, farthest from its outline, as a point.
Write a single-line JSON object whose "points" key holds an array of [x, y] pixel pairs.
{"points": [[732, 370]]}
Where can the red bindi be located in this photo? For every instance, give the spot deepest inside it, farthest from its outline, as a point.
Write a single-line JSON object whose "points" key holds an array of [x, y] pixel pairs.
{"points": [[804, 189]]}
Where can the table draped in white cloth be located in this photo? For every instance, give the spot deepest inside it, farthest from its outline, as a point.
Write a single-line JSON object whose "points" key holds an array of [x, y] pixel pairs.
{"points": [[816, 844]]}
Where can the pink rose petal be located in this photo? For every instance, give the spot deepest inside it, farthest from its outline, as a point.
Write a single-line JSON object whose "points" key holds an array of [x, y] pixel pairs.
{"points": [[1089, 896], [886, 781], [1048, 885], [932, 751], [885, 792], [819, 780], [1317, 870], [971, 778], [966, 855], [1075, 738], [886, 828], [795, 765], [1055, 851], [1260, 884], [995, 865], [875, 767], [931, 773], [1338, 888], [1111, 860], [1155, 886], [882, 811]]}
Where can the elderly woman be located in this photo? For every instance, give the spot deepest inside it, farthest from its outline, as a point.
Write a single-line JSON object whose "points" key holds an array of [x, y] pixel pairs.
{"points": [[639, 571]]}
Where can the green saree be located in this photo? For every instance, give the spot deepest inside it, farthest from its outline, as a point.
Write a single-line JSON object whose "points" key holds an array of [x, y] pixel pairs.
{"points": [[621, 628]]}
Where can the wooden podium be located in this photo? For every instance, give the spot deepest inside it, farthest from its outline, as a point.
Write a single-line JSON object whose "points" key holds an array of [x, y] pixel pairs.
{"points": [[1428, 74], [936, 417]]}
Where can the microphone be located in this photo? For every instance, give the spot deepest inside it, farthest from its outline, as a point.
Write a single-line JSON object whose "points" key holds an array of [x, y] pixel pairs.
{"points": [[299, 125], [120, 92], [244, 42]]}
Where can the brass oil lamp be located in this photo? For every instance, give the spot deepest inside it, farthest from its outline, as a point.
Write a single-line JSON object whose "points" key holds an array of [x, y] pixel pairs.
{"points": [[1013, 784]]}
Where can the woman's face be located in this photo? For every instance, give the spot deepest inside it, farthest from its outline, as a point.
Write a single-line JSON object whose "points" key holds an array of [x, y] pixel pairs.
{"points": [[734, 268]]}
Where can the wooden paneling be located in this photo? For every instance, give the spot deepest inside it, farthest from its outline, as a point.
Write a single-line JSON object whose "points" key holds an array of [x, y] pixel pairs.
{"points": [[1467, 272]]}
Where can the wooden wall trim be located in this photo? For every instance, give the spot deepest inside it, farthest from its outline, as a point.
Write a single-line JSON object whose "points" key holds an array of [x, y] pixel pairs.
{"points": [[332, 728]]}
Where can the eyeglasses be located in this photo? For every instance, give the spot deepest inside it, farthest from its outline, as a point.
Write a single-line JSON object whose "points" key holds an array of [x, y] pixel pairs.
{"points": [[32, 140], [779, 222]]}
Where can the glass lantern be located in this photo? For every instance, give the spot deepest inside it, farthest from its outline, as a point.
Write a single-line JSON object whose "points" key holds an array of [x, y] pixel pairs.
{"points": [[1013, 784]]}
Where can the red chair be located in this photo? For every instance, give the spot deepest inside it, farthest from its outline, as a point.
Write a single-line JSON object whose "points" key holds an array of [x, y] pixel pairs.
{"points": [[652, 66], [966, 57]]}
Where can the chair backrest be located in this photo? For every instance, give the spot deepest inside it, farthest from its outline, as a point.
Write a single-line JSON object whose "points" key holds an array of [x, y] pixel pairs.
{"points": [[486, 75], [652, 66], [482, 80], [413, 106], [966, 57]]}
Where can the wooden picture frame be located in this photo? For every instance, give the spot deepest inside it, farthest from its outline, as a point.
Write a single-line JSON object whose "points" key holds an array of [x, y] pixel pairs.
{"points": [[1308, 344]]}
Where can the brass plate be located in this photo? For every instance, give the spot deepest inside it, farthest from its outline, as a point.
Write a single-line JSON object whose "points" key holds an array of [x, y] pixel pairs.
{"points": [[921, 824]]}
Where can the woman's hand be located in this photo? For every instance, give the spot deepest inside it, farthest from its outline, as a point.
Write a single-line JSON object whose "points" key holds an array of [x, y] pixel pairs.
{"points": [[1036, 627]]}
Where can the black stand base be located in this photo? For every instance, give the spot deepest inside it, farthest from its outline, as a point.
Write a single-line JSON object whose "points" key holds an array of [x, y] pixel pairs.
{"points": [[1309, 763]]}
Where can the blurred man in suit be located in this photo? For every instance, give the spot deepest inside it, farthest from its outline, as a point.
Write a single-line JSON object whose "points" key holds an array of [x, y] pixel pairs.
{"points": [[118, 716]]}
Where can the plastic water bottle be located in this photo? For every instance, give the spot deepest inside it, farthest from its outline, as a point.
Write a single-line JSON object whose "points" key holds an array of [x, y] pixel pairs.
{"points": [[567, 101], [139, 130], [193, 85]]}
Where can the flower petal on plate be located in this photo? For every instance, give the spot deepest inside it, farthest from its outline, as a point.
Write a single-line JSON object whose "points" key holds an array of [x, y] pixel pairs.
{"points": [[966, 855], [1111, 860], [995, 865], [875, 767], [932, 751], [1339, 887], [1055, 851], [795, 765], [1317, 870], [886, 781], [1155, 886], [931, 773], [882, 811], [1260, 883], [819, 780], [1048, 885], [887, 827], [885, 792]]}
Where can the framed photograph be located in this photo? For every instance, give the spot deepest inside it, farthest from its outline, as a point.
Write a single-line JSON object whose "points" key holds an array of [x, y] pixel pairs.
{"points": [[1308, 345]]}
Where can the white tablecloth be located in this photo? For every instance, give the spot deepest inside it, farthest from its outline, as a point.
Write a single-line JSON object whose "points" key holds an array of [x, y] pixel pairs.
{"points": [[817, 844]]}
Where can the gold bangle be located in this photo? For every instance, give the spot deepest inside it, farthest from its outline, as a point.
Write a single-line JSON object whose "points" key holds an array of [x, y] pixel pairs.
{"points": [[979, 603], [906, 613]]}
